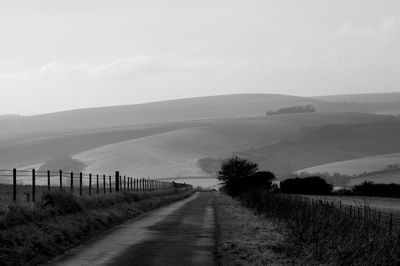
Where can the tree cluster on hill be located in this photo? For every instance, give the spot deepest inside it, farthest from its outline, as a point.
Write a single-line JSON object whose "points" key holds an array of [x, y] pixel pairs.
{"points": [[313, 185], [294, 109], [238, 175]]}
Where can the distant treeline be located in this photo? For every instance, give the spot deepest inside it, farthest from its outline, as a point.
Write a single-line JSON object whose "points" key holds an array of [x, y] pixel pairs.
{"points": [[294, 109], [378, 190], [315, 185]]}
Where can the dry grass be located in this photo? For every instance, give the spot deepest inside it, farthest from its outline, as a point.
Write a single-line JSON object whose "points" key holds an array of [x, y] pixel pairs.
{"points": [[245, 238]]}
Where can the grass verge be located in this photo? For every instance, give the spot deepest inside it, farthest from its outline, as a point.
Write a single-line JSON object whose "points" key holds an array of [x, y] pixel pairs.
{"points": [[244, 238], [32, 235]]}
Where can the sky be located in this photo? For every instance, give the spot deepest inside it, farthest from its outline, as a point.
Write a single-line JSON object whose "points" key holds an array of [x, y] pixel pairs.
{"points": [[66, 54]]}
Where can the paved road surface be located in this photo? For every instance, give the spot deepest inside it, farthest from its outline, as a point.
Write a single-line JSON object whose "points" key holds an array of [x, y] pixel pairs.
{"points": [[182, 233]]}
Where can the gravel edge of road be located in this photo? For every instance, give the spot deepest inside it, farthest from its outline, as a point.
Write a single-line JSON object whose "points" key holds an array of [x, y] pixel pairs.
{"points": [[244, 238]]}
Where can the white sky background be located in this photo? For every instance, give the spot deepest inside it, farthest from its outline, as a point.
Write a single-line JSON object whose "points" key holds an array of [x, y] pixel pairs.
{"points": [[65, 54]]}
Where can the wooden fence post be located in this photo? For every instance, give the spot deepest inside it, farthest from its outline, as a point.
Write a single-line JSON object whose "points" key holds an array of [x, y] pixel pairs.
{"points": [[90, 184], [97, 184], [14, 185], [104, 184], [80, 183], [72, 183], [48, 180], [109, 182], [124, 183], [60, 179], [33, 185], [117, 181]]}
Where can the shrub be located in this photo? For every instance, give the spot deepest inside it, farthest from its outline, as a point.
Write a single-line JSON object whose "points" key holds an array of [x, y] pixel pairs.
{"points": [[61, 202], [313, 185], [238, 175], [372, 189]]}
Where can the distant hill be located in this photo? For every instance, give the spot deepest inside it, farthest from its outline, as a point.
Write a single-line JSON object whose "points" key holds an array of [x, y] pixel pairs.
{"points": [[211, 107], [238, 105], [362, 98]]}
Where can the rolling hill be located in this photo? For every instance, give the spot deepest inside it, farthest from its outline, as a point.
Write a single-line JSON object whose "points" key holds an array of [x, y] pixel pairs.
{"points": [[240, 105], [169, 138], [176, 153]]}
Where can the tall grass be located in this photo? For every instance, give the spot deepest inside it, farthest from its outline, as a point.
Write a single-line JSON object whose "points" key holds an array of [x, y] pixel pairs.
{"points": [[326, 234]]}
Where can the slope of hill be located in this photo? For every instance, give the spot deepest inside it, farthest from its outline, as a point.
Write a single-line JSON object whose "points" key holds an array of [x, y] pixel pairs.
{"points": [[39, 148], [157, 112], [356, 166], [329, 144]]}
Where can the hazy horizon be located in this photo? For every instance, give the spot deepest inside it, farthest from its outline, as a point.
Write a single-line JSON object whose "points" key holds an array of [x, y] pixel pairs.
{"points": [[64, 55]]}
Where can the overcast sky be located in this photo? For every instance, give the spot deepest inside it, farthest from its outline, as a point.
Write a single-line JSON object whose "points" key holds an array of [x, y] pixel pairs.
{"points": [[65, 54]]}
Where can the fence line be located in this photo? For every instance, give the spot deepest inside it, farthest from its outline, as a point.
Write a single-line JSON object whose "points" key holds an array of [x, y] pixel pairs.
{"points": [[362, 212], [30, 183]]}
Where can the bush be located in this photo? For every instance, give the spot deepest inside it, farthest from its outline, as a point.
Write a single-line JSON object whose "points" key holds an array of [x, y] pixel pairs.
{"points": [[313, 185], [372, 189], [61, 202], [238, 175]]}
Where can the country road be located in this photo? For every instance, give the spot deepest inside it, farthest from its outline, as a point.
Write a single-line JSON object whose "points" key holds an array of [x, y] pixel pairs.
{"points": [[182, 233]]}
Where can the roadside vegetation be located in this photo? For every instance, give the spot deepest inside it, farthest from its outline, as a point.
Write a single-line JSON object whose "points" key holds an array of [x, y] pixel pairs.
{"points": [[35, 233], [319, 233]]}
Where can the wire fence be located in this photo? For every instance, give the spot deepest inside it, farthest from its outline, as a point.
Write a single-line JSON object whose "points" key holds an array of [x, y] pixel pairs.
{"points": [[387, 220], [26, 185]]}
